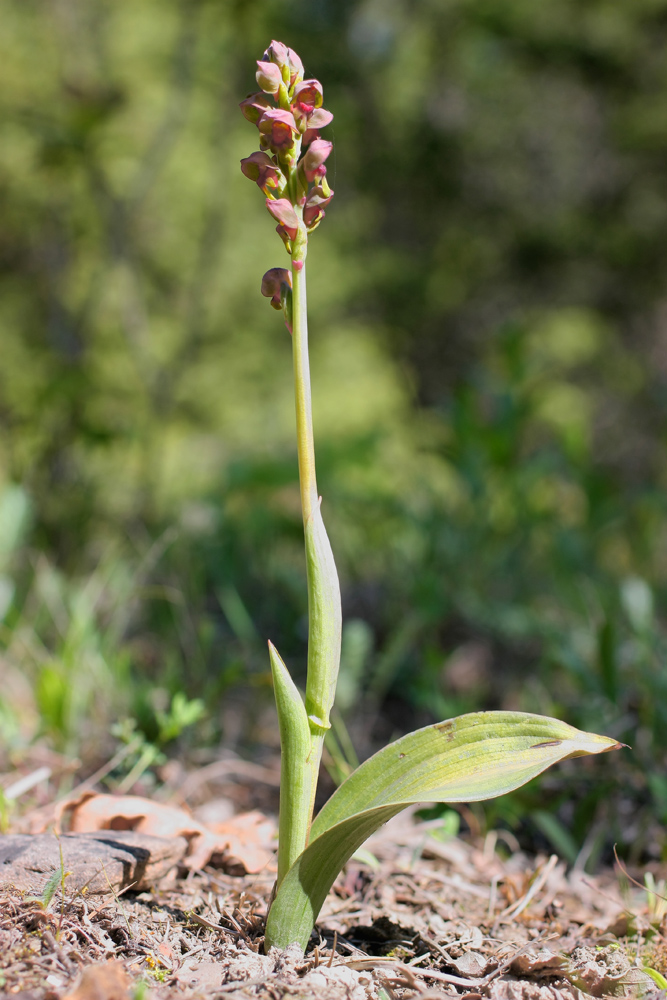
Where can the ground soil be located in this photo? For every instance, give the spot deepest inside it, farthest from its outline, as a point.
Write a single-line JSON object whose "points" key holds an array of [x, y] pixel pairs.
{"points": [[417, 916]]}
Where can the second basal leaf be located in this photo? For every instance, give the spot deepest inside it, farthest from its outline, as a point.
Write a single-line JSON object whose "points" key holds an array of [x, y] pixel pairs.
{"points": [[473, 757]]}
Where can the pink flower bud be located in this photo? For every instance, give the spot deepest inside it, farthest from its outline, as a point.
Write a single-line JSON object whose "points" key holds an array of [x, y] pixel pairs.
{"points": [[269, 77], [296, 67], [308, 96], [313, 161], [253, 107], [259, 167], [278, 128], [272, 284], [282, 211], [277, 53]]}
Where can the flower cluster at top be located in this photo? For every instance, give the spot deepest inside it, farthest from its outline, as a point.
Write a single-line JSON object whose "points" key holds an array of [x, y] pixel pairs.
{"points": [[295, 186]]}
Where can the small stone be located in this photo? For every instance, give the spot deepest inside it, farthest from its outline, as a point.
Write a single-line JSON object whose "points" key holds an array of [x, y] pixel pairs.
{"points": [[96, 861]]}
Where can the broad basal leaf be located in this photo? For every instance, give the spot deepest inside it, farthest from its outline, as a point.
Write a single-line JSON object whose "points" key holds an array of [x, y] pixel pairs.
{"points": [[473, 757]]}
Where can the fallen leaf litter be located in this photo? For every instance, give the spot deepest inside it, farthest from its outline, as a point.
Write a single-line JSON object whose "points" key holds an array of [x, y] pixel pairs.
{"points": [[417, 917]]}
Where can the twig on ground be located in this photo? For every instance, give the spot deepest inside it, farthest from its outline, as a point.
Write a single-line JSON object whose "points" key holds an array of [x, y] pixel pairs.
{"points": [[228, 987], [333, 950], [118, 903]]}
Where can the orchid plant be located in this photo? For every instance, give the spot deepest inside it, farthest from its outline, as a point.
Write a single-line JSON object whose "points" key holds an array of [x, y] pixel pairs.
{"points": [[475, 756]]}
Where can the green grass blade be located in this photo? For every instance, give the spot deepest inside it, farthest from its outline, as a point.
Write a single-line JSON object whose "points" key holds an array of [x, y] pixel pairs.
{"points": [[473, 757], [49, 890]]}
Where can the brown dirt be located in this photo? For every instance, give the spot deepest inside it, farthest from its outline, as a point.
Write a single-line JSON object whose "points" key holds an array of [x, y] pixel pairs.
{"points": [[420, 917]]}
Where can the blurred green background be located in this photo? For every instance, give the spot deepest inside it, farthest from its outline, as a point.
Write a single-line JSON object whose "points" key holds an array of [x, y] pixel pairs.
{"points": [[488, 303]]}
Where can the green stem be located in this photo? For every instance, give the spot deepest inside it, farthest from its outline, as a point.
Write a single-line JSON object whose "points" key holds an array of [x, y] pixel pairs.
{"points": [[304, 415], [324, 607], [302, 728]]}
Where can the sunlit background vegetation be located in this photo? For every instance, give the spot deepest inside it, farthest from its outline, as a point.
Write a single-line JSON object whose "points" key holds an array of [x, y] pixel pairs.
{"points": [[488, 300]]}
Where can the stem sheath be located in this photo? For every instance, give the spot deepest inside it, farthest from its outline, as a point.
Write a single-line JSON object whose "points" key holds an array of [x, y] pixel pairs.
{"points": [[294, 771]]}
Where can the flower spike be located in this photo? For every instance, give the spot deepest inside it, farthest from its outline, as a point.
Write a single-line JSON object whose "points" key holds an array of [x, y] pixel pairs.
{"points": [[288, 113]]}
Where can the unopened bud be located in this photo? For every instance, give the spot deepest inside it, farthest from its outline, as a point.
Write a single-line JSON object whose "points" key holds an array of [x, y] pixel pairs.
{"points": [[277, 53], [296, 67], [313, 161], [269, 77]]}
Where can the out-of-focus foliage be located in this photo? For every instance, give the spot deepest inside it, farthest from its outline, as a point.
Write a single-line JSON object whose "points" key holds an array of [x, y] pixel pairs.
{"points": [[489, 358]]}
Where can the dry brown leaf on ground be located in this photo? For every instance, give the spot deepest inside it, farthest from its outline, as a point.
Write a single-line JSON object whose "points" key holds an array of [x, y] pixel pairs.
{"points": [[540, 960], [509, 988], [243, 839], [473, 964], [107, 981], [248, 837]]}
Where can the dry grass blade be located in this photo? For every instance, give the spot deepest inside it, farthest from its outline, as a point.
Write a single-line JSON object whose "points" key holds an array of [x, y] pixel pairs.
{"points": [[634, 881], [520, 905]]}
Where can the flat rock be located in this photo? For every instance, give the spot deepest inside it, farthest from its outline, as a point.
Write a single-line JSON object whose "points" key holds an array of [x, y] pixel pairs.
{"points": [[95, 860]]}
